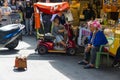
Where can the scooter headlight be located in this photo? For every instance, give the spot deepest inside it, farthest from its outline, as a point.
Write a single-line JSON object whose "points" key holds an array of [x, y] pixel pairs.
{"points": [[21, 26]]}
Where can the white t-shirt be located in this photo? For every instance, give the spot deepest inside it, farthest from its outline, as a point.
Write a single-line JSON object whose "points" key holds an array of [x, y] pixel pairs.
{"points": [[4, 10]]}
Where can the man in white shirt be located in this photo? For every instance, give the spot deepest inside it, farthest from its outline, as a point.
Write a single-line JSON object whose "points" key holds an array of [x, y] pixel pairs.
{"points": [[6, 11]]}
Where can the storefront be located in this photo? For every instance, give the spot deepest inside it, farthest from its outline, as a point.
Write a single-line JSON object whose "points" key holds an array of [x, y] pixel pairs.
{"points": [[108, 13]]}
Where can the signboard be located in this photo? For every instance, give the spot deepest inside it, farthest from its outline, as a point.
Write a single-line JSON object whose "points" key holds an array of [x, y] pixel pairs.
{"points": [[83, 34]]}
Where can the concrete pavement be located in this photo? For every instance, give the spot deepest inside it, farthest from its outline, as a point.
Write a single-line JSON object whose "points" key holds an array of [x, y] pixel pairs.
{"points": [[49, 66]]}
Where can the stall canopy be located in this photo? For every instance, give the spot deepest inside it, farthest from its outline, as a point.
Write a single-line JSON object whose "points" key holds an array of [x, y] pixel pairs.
{"points": [[48, 8], [52, 8]]}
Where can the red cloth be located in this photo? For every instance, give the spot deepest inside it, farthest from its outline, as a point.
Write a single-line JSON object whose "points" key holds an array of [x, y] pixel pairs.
{"points": [[105, 49]]}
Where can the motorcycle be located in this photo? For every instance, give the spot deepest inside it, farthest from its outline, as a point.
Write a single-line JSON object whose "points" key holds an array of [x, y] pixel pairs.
{"points": [[10, 35]]}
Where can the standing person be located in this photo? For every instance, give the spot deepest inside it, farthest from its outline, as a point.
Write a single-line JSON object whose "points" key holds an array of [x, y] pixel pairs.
{"points": [[6, 11], [97, 38], [92, 13], [28, 17], [20, 11], [13, 6], [21, 6], [88, 12], [47, 23]]}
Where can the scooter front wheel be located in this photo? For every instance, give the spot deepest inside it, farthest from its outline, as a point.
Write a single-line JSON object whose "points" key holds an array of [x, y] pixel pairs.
{"points": [[12, 45]]}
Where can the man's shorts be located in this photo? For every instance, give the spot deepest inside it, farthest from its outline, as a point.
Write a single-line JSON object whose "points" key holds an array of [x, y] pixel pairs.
{"points": [[59, 38]]}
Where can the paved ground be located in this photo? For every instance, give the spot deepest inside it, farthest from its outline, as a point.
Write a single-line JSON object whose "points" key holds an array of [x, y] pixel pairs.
{"points": [[49, 66]]}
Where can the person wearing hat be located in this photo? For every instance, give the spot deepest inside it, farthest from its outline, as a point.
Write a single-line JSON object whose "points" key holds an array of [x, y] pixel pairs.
{"points": [[96, 39]]}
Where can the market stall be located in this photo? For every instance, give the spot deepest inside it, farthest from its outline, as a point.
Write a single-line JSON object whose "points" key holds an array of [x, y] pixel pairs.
{"points": [[111, 23]]}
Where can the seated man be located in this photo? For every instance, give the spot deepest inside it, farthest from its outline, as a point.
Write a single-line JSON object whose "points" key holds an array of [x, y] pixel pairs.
{"points": [[97, 38], [58, 31]]}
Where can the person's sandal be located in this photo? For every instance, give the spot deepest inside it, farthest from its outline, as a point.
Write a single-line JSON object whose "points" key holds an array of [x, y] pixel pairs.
{"points": [[88, 66]]}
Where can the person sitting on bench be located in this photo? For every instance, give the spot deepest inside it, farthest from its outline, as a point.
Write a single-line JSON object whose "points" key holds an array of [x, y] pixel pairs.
{"points": [[97, 38]]}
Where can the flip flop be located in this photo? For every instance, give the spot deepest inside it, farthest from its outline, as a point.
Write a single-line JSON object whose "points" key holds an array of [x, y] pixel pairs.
{"points": [[88, 66]]}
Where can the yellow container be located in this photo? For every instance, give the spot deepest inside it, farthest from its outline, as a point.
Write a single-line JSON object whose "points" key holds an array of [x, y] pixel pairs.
{"points": [[116, 34], [114, 46], [116, 43]]}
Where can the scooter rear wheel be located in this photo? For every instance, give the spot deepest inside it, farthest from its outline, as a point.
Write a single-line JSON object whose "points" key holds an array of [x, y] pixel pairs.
{"points": [[71, 51], [13, 44], [42, 50]]}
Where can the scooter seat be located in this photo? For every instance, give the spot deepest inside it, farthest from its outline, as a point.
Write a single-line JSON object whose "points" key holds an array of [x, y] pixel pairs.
{"points": [[49, 38], [5, 30]]}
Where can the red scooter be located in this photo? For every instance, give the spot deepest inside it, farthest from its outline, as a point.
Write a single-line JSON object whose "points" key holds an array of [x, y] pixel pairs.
{"points": [[48, 44]]}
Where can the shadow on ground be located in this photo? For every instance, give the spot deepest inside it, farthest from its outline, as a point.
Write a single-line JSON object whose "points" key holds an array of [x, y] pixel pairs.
{"points": [[8, 52], [31, 40], [67, 65], [19, 70]]}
